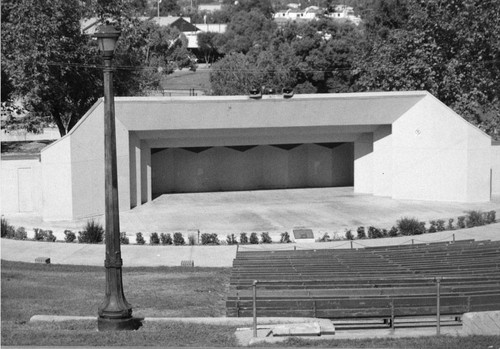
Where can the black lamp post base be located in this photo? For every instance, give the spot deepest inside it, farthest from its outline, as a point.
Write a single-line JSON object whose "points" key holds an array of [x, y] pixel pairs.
{"points": [[127, 324]]}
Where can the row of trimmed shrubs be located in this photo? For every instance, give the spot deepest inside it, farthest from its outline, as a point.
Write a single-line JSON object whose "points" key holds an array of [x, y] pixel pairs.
{"points": [[412, 226], [93, 232]]}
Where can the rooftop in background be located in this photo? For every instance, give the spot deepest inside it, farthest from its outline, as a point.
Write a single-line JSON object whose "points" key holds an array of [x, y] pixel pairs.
{"points": [[23, 149]]}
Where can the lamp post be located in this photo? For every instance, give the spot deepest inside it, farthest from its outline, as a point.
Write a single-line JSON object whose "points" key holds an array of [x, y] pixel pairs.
{"points": [[114, 313]]}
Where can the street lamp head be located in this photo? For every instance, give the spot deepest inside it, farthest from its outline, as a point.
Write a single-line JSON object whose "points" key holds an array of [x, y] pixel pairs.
{"points": [[107, 35]]}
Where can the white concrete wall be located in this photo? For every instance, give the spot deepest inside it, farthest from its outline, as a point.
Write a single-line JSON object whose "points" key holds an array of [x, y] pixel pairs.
{"points": [[87, 156], [363, 164], [382, 161], [57, 187], [478, 166], [431, 155], [262, 167], [21, 185], [495, 169]]}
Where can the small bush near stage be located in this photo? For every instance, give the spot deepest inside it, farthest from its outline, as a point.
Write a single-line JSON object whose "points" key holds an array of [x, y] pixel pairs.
{"points": [[361, 233], [324, 238], [179, 239], [411, 226], [375, 233], [450, 224], [124, 239], [20, 234], [8, 230], [38, 234], [166, 239], [461, 222], [349, 235], [209, 239], [474, 219], [254, 239], [191, 240], [440, 225], [432, 227], [285, 238], [69, 236], [49, 236], [243, 238], [93, 233], [154, 239], [393, 232], [265, 238], [231, 240], [491, 217], [139, 239]]}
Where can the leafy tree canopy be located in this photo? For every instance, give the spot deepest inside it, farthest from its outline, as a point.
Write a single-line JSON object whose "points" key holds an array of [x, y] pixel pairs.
{"points": [[54, 69]]}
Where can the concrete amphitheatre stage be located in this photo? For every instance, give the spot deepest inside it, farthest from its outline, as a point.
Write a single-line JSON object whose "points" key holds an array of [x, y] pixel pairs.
{"points": [[399, 145]]}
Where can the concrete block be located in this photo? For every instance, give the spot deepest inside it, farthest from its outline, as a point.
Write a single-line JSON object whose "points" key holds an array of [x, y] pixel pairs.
{"points": [[44, 260], [481, 323], [187, 263], [304, 329]]}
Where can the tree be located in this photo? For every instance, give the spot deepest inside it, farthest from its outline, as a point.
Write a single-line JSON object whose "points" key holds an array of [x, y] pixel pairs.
{"points": [[55, 70], [46, 58], [208, 46], [449, 48], [248, 30]]}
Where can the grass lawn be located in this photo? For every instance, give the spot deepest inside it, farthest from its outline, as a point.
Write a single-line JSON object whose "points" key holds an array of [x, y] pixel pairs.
{"points": [[31, 289]]}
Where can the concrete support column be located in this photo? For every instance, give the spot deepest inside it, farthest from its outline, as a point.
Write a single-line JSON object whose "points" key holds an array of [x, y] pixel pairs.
{"points": [[363, 164], [145, 183]]}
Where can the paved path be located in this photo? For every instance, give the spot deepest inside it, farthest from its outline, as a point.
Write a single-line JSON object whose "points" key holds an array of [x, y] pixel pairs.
{"points": [[205, 256], [325, 210]]}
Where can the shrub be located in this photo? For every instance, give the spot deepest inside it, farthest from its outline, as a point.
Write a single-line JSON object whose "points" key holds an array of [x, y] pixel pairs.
{"points": [[393, 232], [474, 219], [231, 240], [450, 224], [178, 239], [254, 239], [124, 239], [8, 230], [243, 238], [440, 225], [92, 233], [349, 235], [154, 239], [191, 240], [461, 222], [490, 217], [209, 239], [166, 239], [49, 236], [39, 233], [265, 238], [139, 239], [20, 234], [361, 233], [285, 238], [411, 226], [433, 227], [375, 233], [69, 236], [324, 238]]}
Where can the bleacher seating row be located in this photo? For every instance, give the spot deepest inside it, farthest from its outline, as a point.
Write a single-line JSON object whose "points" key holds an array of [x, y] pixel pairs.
{"points": [[377, 282]]}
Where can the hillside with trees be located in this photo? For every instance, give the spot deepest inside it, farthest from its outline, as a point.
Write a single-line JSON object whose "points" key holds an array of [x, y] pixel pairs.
{"points": [[448, 47]]}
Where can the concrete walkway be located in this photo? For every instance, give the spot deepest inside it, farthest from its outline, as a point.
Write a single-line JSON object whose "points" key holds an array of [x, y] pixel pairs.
{"points": [[206, 256], [325, 210]]}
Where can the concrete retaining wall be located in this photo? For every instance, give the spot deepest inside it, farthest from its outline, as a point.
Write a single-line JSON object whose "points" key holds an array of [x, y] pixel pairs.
{"points": [[485, 323]]}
